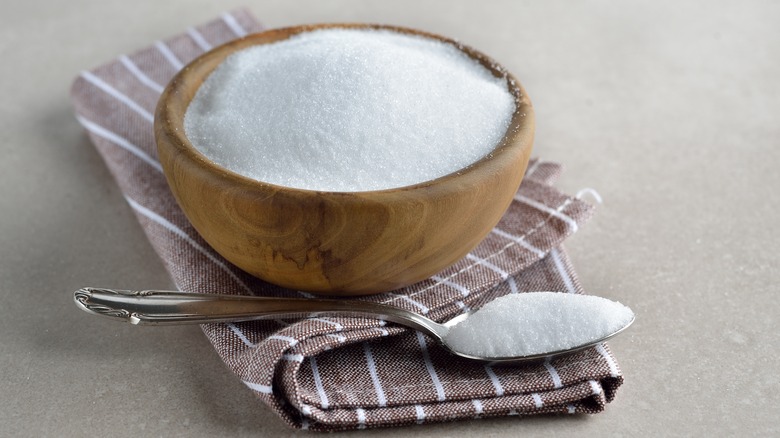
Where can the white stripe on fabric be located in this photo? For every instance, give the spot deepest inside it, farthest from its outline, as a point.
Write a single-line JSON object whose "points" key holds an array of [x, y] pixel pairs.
{"points": [[530, 171], [141, 76], [556, 378], [169, 55], [179, 232], [478, 408], [265, 389], [361, 417], [234, 25], [571, 409], [519, 240], [340, 338], [423, 308], [595, 387], [306, 294], [240, 335], [613, 369], [429, 366], [504, 275], [199, 39], [494, 380], [336, 326], [552, 211], [113, 92], [420, 411], [383, 331], [459, 287], [119, 141], [589, 191], [562, 271], [293, 357], [380, 393], [318, 383], [537, 400], [291, 341]]}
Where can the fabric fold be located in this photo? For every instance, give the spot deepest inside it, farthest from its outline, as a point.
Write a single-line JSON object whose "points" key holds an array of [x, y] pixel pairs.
{"points": [[350, 373]]}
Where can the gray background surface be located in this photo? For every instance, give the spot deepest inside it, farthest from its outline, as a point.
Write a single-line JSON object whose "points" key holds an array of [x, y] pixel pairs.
{"points": [[669, 109]]}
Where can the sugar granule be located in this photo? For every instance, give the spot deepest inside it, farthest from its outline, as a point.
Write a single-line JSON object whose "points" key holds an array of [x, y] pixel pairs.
{"points": [[526, 324], [349, 110]]}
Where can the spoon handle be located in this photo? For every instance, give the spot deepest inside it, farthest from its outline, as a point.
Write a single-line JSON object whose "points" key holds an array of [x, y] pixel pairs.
{"points": [[150, 307]]}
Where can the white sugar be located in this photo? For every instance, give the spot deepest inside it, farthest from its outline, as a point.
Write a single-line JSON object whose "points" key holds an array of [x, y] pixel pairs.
{"points": [[349, 110], [528, 324]]}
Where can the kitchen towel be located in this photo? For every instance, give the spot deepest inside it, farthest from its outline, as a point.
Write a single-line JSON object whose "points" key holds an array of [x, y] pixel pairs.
{"points": [[350, 373]]}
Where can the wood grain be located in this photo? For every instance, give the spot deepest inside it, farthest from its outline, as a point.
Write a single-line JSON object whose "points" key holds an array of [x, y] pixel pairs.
{"points": [[336, 243]]}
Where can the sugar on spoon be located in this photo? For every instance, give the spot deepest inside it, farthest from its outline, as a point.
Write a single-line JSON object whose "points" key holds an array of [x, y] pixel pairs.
{"points": [[509, 330]]}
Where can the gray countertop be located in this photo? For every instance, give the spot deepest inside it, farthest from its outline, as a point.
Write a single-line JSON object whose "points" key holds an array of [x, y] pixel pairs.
{"points": [[668, 109]]}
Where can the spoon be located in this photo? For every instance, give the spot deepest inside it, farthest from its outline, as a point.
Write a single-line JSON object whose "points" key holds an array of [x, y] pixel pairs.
{"points": [[150, 307]]}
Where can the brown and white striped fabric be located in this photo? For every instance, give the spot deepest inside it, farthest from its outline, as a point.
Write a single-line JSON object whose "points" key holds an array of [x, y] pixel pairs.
{"points": [[350, 373]]}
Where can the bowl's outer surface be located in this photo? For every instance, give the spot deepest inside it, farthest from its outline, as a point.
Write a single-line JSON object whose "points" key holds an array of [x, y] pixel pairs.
{"points": [[335, 243]]}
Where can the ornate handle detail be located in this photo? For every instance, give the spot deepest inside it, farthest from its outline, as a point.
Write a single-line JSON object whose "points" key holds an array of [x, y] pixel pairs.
{"points": [[83, 298]]}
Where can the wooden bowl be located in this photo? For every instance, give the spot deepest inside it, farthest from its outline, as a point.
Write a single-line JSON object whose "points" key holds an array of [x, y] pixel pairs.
{"points": [[338, 243]]}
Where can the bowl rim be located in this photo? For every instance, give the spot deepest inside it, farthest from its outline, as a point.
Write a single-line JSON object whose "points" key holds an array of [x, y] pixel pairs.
{"points": [[174, 101]]}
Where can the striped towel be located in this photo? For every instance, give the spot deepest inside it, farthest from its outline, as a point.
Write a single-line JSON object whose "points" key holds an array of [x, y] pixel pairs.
{"points": [[350, 373]]}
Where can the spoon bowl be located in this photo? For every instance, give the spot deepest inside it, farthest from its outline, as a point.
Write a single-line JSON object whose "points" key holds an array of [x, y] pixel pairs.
{"points": [[174, 308]]}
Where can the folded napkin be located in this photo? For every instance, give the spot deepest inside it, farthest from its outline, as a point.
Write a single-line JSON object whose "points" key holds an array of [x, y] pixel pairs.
{"points": [[350, 373]]}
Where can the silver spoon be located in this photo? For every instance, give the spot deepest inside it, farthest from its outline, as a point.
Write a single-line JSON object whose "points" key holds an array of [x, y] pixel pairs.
{"points": [[151, 307]]}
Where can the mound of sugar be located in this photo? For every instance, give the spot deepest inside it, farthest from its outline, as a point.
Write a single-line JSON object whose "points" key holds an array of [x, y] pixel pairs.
{"points": [[349, 110], [528, 324]]}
